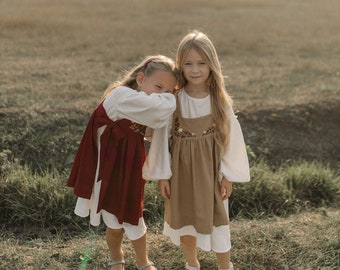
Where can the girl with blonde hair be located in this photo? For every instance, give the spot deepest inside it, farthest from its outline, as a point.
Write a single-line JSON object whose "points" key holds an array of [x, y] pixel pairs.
{"points": [[208, 153]]}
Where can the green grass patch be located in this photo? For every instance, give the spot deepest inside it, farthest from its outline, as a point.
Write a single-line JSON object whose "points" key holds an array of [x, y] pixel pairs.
{"points": [[43, 200], [286, 190]]}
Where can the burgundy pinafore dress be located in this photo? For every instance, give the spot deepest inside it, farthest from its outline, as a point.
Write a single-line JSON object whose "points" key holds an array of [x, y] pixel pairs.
{"points": [[121, 158]]}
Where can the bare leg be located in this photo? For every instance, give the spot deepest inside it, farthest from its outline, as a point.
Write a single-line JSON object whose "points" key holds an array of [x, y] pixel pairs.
{"points": [[188, 245], [223, 260], [114, 238], [141, 254]]}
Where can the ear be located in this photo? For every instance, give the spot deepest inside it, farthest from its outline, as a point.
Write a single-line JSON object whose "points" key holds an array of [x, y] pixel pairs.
{"points": [[140, 78]]}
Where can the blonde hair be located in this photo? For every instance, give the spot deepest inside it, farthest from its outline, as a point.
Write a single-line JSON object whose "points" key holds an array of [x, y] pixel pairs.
{"points": [[149, 65], [221, 102]]}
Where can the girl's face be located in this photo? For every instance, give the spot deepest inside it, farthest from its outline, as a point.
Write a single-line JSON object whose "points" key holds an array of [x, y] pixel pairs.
{"points": [[195, 68], [158, 82]]}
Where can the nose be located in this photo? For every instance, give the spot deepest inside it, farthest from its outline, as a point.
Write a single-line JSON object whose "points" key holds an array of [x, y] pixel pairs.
{"points": [[195, 68]]}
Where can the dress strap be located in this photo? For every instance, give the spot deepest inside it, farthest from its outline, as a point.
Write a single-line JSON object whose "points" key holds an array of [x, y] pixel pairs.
{"points": [[177, 112]]}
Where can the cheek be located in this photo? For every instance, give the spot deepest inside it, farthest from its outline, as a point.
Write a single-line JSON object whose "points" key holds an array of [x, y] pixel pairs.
{"points": [[145, 89], [207, 71], [150, 90], [185, 72]]}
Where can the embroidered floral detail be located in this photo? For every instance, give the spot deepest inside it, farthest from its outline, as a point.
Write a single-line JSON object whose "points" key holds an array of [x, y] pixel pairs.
{"points": [[209, 130], [180, 132], [138, 128]]}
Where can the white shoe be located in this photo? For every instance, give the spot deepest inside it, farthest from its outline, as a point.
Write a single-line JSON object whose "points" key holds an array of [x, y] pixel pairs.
{"points": [[231, 267]]}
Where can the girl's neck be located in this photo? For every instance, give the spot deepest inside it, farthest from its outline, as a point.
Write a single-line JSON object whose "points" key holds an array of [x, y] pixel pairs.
{"points": [[196, 91]]}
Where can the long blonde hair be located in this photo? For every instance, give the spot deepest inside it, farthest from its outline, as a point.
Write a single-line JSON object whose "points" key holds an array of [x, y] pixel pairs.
{"points": [[221, 102], [148, 66]]}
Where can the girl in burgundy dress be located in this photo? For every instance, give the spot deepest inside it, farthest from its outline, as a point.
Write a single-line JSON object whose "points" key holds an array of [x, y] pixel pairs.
{"points": [[107, 170]]}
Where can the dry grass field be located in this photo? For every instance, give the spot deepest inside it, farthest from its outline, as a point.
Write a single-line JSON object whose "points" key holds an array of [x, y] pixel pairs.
{"points": [[281, 59], [62, 54], [279, 244]]}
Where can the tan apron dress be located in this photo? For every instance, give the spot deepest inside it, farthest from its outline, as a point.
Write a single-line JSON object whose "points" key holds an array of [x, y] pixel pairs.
{"points": [[195, 190]]}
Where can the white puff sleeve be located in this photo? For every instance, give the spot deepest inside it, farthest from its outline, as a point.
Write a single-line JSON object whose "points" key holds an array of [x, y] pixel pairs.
{"points": [[234, 163], [158, 162], [151, 110]]}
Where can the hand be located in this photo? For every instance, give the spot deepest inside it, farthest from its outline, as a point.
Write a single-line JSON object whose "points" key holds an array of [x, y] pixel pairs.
{"points": [[164, 188], [226, 188], [148, 134]]}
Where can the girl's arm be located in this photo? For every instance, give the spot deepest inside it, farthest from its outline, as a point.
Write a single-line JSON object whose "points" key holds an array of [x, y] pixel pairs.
{"points": [[234, 163], [148, 134], [226, 188], [158, 161], [164, 188], [150, 110]]}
